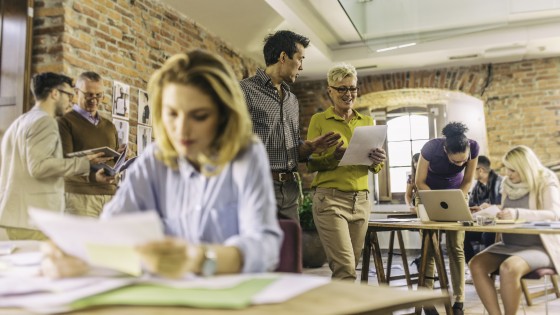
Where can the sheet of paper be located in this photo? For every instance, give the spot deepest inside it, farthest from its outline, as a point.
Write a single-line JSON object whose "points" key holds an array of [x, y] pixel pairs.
{"points": [[103, 255], [363, 140], [73, 234], [488, 212]]}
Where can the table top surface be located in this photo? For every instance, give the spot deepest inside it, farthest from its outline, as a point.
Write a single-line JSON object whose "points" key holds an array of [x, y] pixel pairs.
{"points": [[336, 297], [455, 226]]}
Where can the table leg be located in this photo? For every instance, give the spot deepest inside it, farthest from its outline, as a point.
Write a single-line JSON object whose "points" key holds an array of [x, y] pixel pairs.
{"points": [[377, 259], [366, 255], [440, 267], [390, 255], [423, 261], [404, 260]]}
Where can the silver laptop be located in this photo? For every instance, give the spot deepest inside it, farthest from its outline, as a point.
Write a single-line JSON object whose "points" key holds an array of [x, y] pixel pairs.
{"points": [[447, 205]]}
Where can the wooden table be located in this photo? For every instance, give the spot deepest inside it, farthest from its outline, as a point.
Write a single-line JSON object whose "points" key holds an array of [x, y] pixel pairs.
{"points": [[334, 298], [430, 240], [337, 297]]}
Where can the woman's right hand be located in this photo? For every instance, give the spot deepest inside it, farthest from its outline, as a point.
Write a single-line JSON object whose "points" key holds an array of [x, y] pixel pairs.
{"points": [[56, 264]]}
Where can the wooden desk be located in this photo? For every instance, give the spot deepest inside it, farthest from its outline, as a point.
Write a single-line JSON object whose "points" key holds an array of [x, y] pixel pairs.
{"points": [[337, 297], [430, 240], [334, 298]]}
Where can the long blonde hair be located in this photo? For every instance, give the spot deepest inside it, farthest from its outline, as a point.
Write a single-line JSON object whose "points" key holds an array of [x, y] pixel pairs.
{"points": [[209, 73], [525, 162]]}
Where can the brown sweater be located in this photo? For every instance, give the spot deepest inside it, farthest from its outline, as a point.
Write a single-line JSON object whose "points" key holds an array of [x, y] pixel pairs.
{"points": [[78, 134]]}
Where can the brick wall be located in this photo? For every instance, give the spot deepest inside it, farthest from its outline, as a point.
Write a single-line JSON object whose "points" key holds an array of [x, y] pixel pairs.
{"points": [[123, 40], [522, 100]]}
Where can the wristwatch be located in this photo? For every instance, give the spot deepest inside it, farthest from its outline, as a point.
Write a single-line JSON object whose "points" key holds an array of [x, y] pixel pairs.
{"points": [[209, 261]]}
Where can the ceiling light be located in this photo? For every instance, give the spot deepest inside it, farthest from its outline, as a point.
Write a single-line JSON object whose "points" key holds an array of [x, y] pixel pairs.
{"points": [[387, 49], [459, 57]]}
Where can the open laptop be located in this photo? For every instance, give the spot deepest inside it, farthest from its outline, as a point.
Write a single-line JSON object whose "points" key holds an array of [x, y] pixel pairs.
{"points": [[447, 205]]}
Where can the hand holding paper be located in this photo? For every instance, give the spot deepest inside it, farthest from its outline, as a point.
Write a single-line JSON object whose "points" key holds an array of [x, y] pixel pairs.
{"points": [[364, 140], [112, 248]]}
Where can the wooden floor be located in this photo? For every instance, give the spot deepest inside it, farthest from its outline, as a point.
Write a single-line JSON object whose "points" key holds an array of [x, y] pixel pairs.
{"points": [[472, 302]]}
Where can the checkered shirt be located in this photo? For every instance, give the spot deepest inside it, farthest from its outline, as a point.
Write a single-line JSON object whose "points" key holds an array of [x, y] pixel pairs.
{"points": [[275, 121]]}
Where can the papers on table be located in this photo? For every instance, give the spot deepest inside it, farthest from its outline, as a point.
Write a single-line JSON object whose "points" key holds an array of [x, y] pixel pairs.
{"points": [[488, 212], [231, 292], [103, 243], [364, 139], [390, 220]]}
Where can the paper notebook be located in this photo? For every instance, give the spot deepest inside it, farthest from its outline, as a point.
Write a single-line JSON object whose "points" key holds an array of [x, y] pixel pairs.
{"points": [[108, 152]]}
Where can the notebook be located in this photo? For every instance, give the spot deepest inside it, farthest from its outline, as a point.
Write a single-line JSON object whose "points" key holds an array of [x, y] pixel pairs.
{"points": [[447, 205], [108, 152], [121, 164]]}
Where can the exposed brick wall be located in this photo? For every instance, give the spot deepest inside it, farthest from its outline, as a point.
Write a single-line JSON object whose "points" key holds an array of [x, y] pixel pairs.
{"points": [[123, 40], [522, 100]]}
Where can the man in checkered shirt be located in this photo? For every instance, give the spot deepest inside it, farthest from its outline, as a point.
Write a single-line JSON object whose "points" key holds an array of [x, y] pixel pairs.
{"points": [[275, 114]]}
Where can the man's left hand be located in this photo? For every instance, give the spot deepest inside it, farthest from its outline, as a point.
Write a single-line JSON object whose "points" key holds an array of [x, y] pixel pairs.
{"points": [[322, 143]]}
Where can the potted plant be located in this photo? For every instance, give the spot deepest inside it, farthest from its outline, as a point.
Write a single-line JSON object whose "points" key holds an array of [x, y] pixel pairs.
{"points": [[312, 249]]}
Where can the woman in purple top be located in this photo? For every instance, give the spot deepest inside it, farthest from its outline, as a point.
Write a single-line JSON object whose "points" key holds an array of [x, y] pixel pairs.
{"points": [[449, 163]]}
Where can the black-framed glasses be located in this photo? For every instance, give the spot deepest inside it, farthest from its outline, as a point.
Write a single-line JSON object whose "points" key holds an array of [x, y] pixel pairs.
{"points": [[90, 96], [70, 94], [345, 89]]}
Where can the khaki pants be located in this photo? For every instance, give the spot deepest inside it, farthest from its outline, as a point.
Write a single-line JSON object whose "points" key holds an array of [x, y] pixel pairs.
{"points": [[85, 205], [15, 234], [342, 220], [454, 244], [287, 196]]}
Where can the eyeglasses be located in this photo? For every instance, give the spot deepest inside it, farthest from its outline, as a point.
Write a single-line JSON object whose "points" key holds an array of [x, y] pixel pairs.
{"points": [[69, 94], [344, 89], [90, 96]]}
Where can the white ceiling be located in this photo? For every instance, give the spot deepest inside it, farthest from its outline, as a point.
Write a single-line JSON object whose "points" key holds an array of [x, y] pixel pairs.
{"points": [[446, 32]]}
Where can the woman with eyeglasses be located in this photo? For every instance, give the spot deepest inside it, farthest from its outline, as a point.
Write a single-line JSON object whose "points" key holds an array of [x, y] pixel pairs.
{"points": [[530, 191], [341, 204], [449, 163]]}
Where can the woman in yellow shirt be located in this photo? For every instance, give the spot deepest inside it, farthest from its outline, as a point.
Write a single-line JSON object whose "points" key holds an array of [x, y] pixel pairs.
{"points": [[341, 204]]}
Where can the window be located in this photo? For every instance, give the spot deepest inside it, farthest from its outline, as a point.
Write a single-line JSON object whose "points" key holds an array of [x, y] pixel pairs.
{"points": [[406, 134]]}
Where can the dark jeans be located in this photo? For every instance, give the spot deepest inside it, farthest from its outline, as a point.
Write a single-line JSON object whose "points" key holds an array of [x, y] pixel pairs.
{"points": [[483, 238]]}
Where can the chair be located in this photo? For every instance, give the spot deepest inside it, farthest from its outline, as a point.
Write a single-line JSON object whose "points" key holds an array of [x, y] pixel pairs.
{"points": [[290, 252], [536, 275]]}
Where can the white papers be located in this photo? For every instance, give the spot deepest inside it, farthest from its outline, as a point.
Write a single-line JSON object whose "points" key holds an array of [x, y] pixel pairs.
{"points": [[83, 237], [488, 212], [364, 139]]}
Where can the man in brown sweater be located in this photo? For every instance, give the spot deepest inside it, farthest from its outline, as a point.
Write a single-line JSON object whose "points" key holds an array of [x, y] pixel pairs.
{"points": [[84, 128]]}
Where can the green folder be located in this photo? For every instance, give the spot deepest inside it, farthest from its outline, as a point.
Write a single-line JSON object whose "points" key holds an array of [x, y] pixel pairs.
{"points": [[236, 297]]}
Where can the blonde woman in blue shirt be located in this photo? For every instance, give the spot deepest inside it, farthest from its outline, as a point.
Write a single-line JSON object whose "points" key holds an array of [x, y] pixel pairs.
{"points": [[207, 176], [341, 204]]}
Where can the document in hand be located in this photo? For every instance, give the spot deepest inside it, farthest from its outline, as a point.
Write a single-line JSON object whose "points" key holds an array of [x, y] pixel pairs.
{"points": [[364, 139], [488, 212], [108, 152], [105, 243], [121, 165]]}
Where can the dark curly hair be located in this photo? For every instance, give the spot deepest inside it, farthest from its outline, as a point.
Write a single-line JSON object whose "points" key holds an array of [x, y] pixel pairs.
{"points": [[455, 139]]}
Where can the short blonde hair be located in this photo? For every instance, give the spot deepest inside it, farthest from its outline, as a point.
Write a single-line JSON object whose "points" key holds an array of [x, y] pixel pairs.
{"points": [[339, 72], [525, 162], [209, 73]]}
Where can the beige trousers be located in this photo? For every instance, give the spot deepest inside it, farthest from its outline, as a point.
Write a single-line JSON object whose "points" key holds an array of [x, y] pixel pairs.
{"points": [[454, 244], [342, 220], [85, 205]]}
